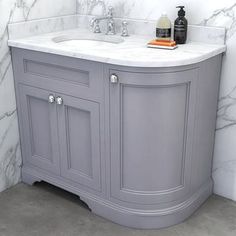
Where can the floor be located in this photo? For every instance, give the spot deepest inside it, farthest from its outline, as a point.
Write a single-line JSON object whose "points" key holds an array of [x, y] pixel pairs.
{"points": [[44, 210]]}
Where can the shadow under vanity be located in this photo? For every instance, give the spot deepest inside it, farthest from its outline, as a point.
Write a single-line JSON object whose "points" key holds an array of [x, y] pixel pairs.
{"points": [[132, 134]]}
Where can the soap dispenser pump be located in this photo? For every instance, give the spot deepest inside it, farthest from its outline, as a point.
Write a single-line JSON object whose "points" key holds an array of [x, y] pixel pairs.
{"points": [[180, 27]]}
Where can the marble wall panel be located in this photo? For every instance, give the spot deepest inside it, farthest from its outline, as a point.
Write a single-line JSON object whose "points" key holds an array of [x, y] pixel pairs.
{"points": [[16, 11]]}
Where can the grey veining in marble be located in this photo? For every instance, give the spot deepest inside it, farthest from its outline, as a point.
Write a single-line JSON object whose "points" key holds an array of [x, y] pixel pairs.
{"points": [[41, 26], [226, 118], [17, 11], [196, 33], [225, 16], [199, 33], [224, 170], [131, 52]]}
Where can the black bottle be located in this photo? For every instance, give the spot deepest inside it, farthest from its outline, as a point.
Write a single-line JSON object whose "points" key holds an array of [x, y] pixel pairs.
{"points": [[181, 27]]}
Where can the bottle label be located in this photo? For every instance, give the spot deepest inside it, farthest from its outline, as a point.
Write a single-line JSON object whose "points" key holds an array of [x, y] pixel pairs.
{"points": [[180, 28], [163, 33], [180, 34]]}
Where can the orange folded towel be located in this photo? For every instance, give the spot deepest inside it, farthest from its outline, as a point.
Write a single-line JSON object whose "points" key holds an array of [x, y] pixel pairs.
{"points": [[156, 42]]}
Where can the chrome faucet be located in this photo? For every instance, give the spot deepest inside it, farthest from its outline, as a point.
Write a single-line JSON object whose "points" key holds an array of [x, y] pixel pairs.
{"points": [[110, 23]]}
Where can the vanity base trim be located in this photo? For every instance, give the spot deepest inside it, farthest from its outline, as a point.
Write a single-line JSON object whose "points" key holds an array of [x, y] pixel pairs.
{"points": [[151, 219], [141, 219]]}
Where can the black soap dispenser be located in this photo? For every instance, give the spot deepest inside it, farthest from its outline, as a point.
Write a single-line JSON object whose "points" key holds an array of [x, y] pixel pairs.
{"points": [[181, 27]]}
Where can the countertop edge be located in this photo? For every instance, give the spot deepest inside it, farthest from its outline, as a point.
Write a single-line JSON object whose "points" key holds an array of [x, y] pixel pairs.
{"points": [[119, 62]]}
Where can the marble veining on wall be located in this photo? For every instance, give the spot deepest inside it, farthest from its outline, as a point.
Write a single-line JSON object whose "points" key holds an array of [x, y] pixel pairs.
{"points": [[208, 13], [16, 11], [224, 168], [223, 17]]}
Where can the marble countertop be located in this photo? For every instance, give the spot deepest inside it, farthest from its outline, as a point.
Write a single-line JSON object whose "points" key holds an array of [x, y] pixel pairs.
{"points": [[131, 52]]}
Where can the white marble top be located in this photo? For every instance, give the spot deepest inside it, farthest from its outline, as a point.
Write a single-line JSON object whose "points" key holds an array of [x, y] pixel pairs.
{"points": [[131, 52]]}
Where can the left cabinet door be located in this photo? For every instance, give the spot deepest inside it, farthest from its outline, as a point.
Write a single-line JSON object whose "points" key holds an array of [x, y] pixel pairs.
{"points": [[38, 118]]}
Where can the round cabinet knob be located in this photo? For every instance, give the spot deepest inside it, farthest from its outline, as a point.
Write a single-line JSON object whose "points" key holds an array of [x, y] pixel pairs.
{"points": [[51, 98], [114, 79], [59, 100]]}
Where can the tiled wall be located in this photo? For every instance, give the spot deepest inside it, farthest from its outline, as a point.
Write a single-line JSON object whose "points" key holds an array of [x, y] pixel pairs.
{"points": [[212, 13], [14, 11]]}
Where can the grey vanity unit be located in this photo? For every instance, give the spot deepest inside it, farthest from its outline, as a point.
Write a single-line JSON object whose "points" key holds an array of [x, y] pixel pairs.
{"points": [[135, 144]]}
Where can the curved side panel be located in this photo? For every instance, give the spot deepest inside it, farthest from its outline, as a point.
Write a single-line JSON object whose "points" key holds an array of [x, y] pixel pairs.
{"points": [[151, 131], [151, 219]]}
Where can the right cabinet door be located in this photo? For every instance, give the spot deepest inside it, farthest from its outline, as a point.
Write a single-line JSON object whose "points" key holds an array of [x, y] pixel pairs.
{"points": [[80, 142], [151, 125]]}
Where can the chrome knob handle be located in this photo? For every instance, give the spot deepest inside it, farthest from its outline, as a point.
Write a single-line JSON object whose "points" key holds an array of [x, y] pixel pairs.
{"points": [[114, 79], [110, 11], [59, 100], [95, 25], [51, 98]]}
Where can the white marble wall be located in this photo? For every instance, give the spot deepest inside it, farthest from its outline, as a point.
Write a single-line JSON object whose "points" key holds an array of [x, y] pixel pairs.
{"points": [[15, 11], [212, 13]]}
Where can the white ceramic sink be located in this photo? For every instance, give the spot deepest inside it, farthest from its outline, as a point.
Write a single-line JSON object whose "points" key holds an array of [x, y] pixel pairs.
{"points": [[88, 40]]}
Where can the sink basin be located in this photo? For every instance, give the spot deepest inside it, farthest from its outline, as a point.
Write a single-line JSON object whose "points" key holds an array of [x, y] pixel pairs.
{"points": [[90, 40]]}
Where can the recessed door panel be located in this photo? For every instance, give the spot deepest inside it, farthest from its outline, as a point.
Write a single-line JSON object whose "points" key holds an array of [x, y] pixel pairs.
{"points": [[79, 140], [152, 116], [79, 125], [72, 76], [153, 136], [40, 144], [40, 127]]}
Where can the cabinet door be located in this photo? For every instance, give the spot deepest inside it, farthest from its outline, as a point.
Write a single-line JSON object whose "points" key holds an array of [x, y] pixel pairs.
{"points": [[39, 129], [79, 127], [152, 120]]}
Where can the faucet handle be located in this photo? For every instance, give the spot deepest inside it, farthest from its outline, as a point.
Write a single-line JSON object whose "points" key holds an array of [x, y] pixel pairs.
{"points": [[124, 30], [94, 23], [110, 11]]}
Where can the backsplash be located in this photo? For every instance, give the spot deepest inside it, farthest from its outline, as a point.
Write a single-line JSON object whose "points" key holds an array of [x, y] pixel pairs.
{"points": [[16, 11], [210, 13], [196, 11]]}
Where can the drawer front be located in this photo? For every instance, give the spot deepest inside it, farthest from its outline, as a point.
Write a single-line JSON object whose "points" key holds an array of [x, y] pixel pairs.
{"points": [[72, 76]]}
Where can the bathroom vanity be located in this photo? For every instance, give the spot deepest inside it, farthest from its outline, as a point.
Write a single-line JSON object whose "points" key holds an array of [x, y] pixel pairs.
{"points": [[128, 129]]}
